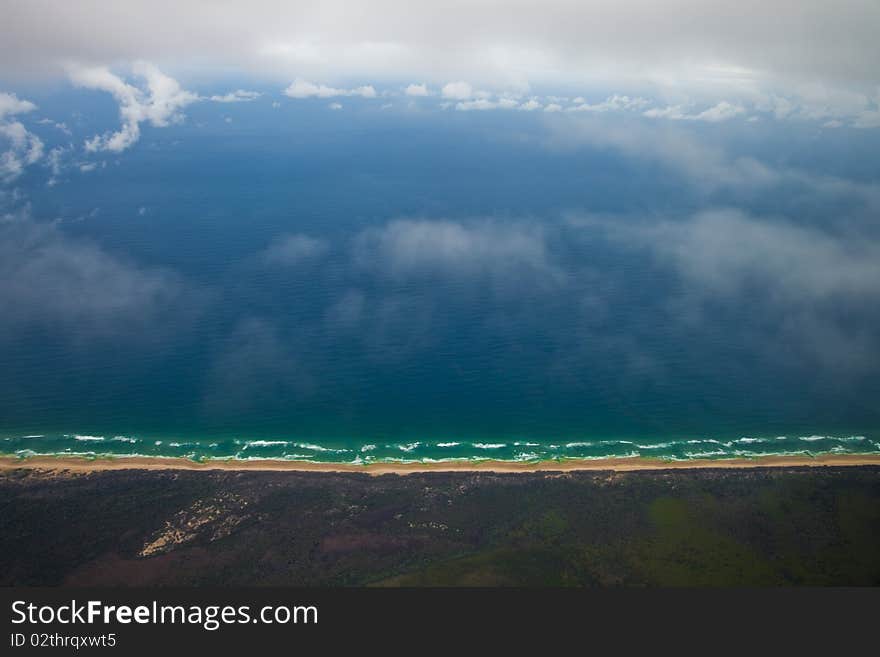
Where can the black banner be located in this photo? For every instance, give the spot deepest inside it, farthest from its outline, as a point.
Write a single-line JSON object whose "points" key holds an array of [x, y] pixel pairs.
{"points": [[132, 621]]}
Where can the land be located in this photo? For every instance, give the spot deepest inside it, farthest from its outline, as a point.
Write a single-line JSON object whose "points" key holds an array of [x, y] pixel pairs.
{"points": [[70, 524]]}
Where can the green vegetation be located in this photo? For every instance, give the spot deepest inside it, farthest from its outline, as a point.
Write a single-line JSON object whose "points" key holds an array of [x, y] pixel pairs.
{"points": [[750, 527]]}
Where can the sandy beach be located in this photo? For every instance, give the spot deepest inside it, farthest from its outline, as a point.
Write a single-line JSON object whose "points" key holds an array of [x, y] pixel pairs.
{"points": [[80, 464]]}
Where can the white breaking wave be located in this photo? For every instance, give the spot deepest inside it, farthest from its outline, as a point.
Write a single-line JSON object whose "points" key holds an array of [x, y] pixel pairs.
{"points": [[95, 438], [408, 448], [701, 455], [318, 448], [448, 444], [264, 443], [489, 445], [368, 448]]}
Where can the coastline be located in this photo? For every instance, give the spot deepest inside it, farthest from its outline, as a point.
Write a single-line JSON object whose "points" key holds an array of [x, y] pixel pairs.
{"points": [[629, 464]]}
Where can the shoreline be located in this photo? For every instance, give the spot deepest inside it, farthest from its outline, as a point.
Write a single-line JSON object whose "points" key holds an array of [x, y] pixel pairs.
{"points": [[629, 464]]}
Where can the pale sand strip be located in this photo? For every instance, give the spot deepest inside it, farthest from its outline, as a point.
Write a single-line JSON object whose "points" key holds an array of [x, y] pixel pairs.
{"points": [[80, 464]]}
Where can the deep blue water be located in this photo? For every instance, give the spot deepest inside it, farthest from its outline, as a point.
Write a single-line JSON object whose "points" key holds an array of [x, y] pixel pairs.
{"points": [[385, 284]]}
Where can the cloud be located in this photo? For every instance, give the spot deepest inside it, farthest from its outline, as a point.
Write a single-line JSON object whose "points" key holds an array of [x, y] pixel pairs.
{"points": [[24, 147], [415, 248], [800, 287], [674, 112], [348, 311], [723, 111], [256, 368], [615, 103], [237, 96], [300, 88], [708, 167], [75, 290], [305, 89], [158, 102], [486, 104], [703, 164], [10, 105], [457, 91], [417, 90], [60, 125], [54, 160], [869, 118], [290, 250], [726, 252], [366, 91], [716, 50]]}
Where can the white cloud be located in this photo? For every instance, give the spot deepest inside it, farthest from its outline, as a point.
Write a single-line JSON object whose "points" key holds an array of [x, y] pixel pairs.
{"points": [[720, 112], [486, 104], [24, 147], [530, 105], [335, 106], [300, 88], [365, 92], [457, 90], [238, 96], [417, 90], [674, 112], [10, 105], [158, 102], [723, 111], [54, 161], [615, 103]]}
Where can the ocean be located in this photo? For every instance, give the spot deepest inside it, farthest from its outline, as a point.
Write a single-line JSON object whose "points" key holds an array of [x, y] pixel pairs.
{"points": [[367, 286]]}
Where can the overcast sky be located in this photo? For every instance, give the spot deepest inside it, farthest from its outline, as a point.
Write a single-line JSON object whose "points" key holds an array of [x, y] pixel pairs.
{"points": [[681, 46]]}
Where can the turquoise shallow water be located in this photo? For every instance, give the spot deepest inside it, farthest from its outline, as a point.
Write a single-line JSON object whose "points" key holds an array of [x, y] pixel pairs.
{"points": [[432, 451]]}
